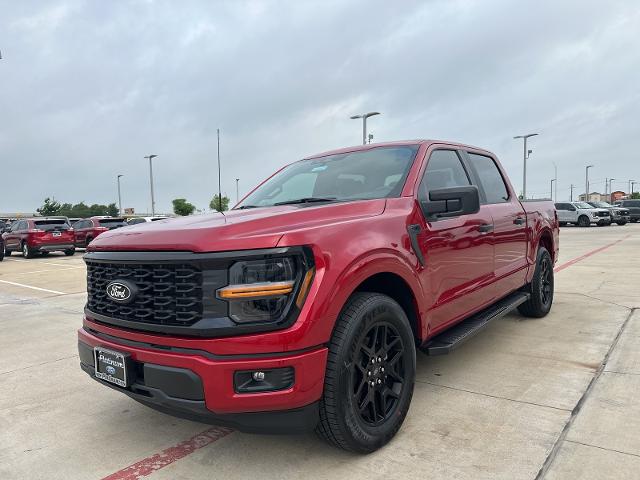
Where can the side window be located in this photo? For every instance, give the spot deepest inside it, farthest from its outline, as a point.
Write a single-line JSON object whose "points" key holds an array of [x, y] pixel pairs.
{"points": [[561, 206], [23, 225], [444, 170], [492, 182]]}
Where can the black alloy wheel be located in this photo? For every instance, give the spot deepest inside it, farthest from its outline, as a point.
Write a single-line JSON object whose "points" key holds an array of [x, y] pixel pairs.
{"points": [[541, 287], [378, 374]]}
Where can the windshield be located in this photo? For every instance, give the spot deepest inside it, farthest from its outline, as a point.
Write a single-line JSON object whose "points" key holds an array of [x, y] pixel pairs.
{"points": [[582, 205], [47, 225], [376, 173], [601, 204]]}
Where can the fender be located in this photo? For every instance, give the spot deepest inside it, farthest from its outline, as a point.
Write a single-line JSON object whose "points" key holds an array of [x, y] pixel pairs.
{"points": [[368, 265]]}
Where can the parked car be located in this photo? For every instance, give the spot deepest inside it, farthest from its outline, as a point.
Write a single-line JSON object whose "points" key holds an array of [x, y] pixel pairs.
{"points": [[582, 214], [89, 228], [39, 235], [633, 206], [1, 248], [619, 215], [136, 220], [302, 307], [3, 226]]}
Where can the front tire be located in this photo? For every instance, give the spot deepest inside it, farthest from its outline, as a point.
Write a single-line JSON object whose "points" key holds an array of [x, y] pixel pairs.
{"points": [[370, 374], [69, 252], [621, 223], [583, 221], [541, 287]]}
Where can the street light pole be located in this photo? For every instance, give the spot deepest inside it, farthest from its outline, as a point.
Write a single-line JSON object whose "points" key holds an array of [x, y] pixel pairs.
{"points": [[572, 187], [237, 190], [525, 156], [153, 201], [630, 189], [586, 183], [219, 181], [119, 197], [611, 187], [551, 192], [364, 117]]}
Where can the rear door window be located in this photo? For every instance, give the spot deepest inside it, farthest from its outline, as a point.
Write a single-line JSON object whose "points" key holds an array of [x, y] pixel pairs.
{"points": [[495, 190]]}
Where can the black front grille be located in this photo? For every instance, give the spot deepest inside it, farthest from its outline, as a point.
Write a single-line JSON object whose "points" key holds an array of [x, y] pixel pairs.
{"points": [[168, 294], [604, 214]]}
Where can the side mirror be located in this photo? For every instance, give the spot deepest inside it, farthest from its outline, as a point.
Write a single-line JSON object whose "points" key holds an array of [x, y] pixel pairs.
{"points": [[451, 202]]}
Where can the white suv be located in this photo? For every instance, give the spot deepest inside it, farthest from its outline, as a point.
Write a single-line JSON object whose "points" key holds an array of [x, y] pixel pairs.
{"points": [[582, 214]]}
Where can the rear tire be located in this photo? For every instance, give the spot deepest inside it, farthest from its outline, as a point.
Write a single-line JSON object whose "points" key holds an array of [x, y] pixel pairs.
{"points": [[621, 223], [44, 254], [87, 242], [541, 287], [7, 252], [70, 252], [583, 221], [27, 251], [563, 224], [370, 374]]}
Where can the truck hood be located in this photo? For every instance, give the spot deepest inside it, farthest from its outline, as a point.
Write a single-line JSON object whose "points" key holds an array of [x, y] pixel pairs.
{"points": [[235, 230]]}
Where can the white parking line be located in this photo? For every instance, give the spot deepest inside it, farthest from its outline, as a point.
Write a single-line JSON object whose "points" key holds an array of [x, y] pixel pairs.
{"points": [[47, 270], [46, 263], [33, 288]]}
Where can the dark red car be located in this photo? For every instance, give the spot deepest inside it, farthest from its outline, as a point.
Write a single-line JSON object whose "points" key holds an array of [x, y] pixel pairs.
{"points": [[89, 228], [39, 235], [304, 305]]}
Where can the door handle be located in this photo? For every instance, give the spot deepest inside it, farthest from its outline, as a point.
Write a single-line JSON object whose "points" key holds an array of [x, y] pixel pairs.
{"points": [[485, 228], [519, 221]]}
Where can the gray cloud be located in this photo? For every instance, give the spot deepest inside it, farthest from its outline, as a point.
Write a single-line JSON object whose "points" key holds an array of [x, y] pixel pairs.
{"points": [[88, 88]]}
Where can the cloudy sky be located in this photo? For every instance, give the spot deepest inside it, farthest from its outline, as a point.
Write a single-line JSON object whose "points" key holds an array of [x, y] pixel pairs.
{"points": [[88, 88]]}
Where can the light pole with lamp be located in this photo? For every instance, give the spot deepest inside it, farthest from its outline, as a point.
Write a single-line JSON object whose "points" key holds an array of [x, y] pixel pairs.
{"points": [[237, 190], [586, 182], [153, 202], [119, 196], [551, 192], [611, 187], [364, 117], [525, 156]]}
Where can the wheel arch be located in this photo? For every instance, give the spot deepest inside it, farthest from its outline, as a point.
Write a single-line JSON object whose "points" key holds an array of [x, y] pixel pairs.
{"points": [[389, 276]]}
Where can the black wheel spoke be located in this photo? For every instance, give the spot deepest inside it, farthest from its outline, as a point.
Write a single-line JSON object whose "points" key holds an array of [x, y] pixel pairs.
{"points": [[377, 372]]}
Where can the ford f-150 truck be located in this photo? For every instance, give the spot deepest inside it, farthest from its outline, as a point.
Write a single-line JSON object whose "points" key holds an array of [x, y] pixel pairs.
{"points": [[302, 307]]}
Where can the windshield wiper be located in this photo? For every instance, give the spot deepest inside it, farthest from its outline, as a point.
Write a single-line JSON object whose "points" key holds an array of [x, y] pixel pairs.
{"points": [[307, 200], [242, 207]]}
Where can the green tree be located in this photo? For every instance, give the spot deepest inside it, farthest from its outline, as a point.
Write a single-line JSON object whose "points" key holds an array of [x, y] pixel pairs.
{"points": [[182, 207], [49, 207], [635, 195], [80, 210], [214, 204], [113, 210]]}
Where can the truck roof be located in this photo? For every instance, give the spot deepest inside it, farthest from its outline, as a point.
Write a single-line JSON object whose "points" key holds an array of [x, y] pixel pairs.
{"points": [[393, 144]]}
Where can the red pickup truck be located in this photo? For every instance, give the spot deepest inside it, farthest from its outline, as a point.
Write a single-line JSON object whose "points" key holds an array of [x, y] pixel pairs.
{"points": [[303, 307]]}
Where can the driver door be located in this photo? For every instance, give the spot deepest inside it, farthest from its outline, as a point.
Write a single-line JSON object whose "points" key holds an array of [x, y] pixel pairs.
{"points": [[458, 251]]}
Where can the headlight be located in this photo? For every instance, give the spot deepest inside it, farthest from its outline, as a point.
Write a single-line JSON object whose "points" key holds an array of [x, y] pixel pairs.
{"points": [[594, 214], [265, 290]]}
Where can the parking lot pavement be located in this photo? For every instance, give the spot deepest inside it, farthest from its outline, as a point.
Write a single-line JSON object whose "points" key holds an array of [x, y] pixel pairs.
{"points": [[553, 398]]}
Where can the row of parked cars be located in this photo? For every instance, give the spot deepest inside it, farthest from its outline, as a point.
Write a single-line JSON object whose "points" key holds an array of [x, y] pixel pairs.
{"points": [[585, 214], [42, 235]]}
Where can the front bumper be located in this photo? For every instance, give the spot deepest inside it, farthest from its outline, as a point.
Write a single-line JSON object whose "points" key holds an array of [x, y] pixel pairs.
{"points": [[601, 220], [200, 386]]}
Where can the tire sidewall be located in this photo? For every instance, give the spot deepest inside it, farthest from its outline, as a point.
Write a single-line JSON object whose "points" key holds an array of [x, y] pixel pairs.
{"points": [[543, 253], [367, 437]]}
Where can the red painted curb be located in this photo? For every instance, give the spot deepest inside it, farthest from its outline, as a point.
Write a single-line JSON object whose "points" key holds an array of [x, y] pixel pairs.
{"points": [[166, 457], [588, 254]]}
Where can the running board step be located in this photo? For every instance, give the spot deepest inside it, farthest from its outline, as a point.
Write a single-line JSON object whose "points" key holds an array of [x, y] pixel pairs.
{"points": [[460, 333]]}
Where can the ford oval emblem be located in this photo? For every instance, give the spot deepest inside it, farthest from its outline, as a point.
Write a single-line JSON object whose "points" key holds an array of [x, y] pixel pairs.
{"points": [[111, 370], [121, 291]]}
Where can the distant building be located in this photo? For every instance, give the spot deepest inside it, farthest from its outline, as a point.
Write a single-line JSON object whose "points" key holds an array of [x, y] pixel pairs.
{"points": [[593, 197], [617, 195]]}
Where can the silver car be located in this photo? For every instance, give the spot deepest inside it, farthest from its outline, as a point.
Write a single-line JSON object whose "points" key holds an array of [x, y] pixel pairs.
{"points": [[582, 214], [619, 215]]}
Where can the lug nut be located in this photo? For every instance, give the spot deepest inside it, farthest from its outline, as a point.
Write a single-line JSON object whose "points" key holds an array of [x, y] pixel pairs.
{"points": [[369, 374], [379, 381], [382, 369], [379, 359], [373, 360], [372, 383]]}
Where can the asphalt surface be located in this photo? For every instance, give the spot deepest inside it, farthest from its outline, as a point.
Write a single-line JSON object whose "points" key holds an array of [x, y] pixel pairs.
{"points": [[555, 398]]}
